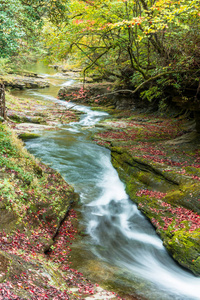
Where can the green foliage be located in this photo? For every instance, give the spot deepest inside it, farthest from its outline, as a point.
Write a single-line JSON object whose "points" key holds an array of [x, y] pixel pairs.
{"points": [[133, 40], [11, 31], [55, 11], [4, 66], [5, 144], [18, 32], [139, 42], [153, 92], [21, 23]]}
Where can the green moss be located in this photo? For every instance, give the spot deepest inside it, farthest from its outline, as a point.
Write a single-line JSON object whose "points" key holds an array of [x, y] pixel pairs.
{"points": [[140, 171], [15, 117], [187, 196], [139, 174], [173, 196], [184, 247], [4, 266], [27, 183], [38, 120], [192, 170], [28, 135]]}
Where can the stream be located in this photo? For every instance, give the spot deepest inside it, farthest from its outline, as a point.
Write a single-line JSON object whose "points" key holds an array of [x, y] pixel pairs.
{"points": [[120, 249]]}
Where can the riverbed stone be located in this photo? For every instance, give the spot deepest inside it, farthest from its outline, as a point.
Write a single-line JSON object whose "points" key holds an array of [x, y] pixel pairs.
{"points": [[22, 82]]}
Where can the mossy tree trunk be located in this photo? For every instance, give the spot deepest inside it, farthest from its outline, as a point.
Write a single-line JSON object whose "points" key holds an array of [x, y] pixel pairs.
{"points": [[2, 101]]}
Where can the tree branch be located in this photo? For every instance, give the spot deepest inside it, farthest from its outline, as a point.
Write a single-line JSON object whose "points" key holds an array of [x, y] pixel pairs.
{"points": [[143, 83]]}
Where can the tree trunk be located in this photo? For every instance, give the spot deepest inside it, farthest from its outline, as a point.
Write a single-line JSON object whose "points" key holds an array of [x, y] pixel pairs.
{"points": [[197, 120], [2, 101]]}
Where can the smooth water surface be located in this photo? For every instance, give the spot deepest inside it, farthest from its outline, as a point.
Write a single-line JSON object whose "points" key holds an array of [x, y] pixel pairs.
{"points": [[119, 238]]}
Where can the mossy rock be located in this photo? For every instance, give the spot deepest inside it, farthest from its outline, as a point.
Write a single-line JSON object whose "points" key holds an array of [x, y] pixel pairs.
{"points": [[4, 266], [185, 248], [173, 197], [38, 120], [8, 219], [21, 82], [138, 170], [19, 118], [26, 73], [28, 135], [15, 117], [26, 274], [186, 196]]}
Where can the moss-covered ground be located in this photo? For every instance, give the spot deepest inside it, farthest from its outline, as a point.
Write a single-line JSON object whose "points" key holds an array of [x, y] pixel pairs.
{"points": [[158, 157], [37, 219]]}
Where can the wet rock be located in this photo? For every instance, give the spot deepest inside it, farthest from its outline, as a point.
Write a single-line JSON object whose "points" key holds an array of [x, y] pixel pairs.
{"points": [[22, 118], [68, 74], [27, 128], [28, 74], [21, 82], [184, 248], [28, 135]]}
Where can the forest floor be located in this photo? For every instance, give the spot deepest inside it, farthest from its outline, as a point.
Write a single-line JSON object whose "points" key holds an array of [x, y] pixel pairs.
{"points": [[37, 219], [158, 158]]}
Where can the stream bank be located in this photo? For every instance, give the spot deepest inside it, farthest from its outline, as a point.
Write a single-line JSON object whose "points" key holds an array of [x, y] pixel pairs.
{"points": [[158, 158], [37, 221]]}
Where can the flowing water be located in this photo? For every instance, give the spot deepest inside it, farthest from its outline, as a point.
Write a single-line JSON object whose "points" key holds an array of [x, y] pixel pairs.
{"points": [[121, 248]]}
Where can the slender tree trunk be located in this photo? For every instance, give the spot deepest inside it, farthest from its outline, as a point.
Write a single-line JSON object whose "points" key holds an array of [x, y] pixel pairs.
{"points": [[2, 101], [197, 120]]}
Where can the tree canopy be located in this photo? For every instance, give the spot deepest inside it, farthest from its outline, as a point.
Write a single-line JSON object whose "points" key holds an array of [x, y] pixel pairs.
{"points": [[136, 41], [21, 22], [143, 43]]}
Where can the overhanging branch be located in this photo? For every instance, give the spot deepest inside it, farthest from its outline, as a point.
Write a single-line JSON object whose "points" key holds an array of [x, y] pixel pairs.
{"points": [[143, 83]]}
